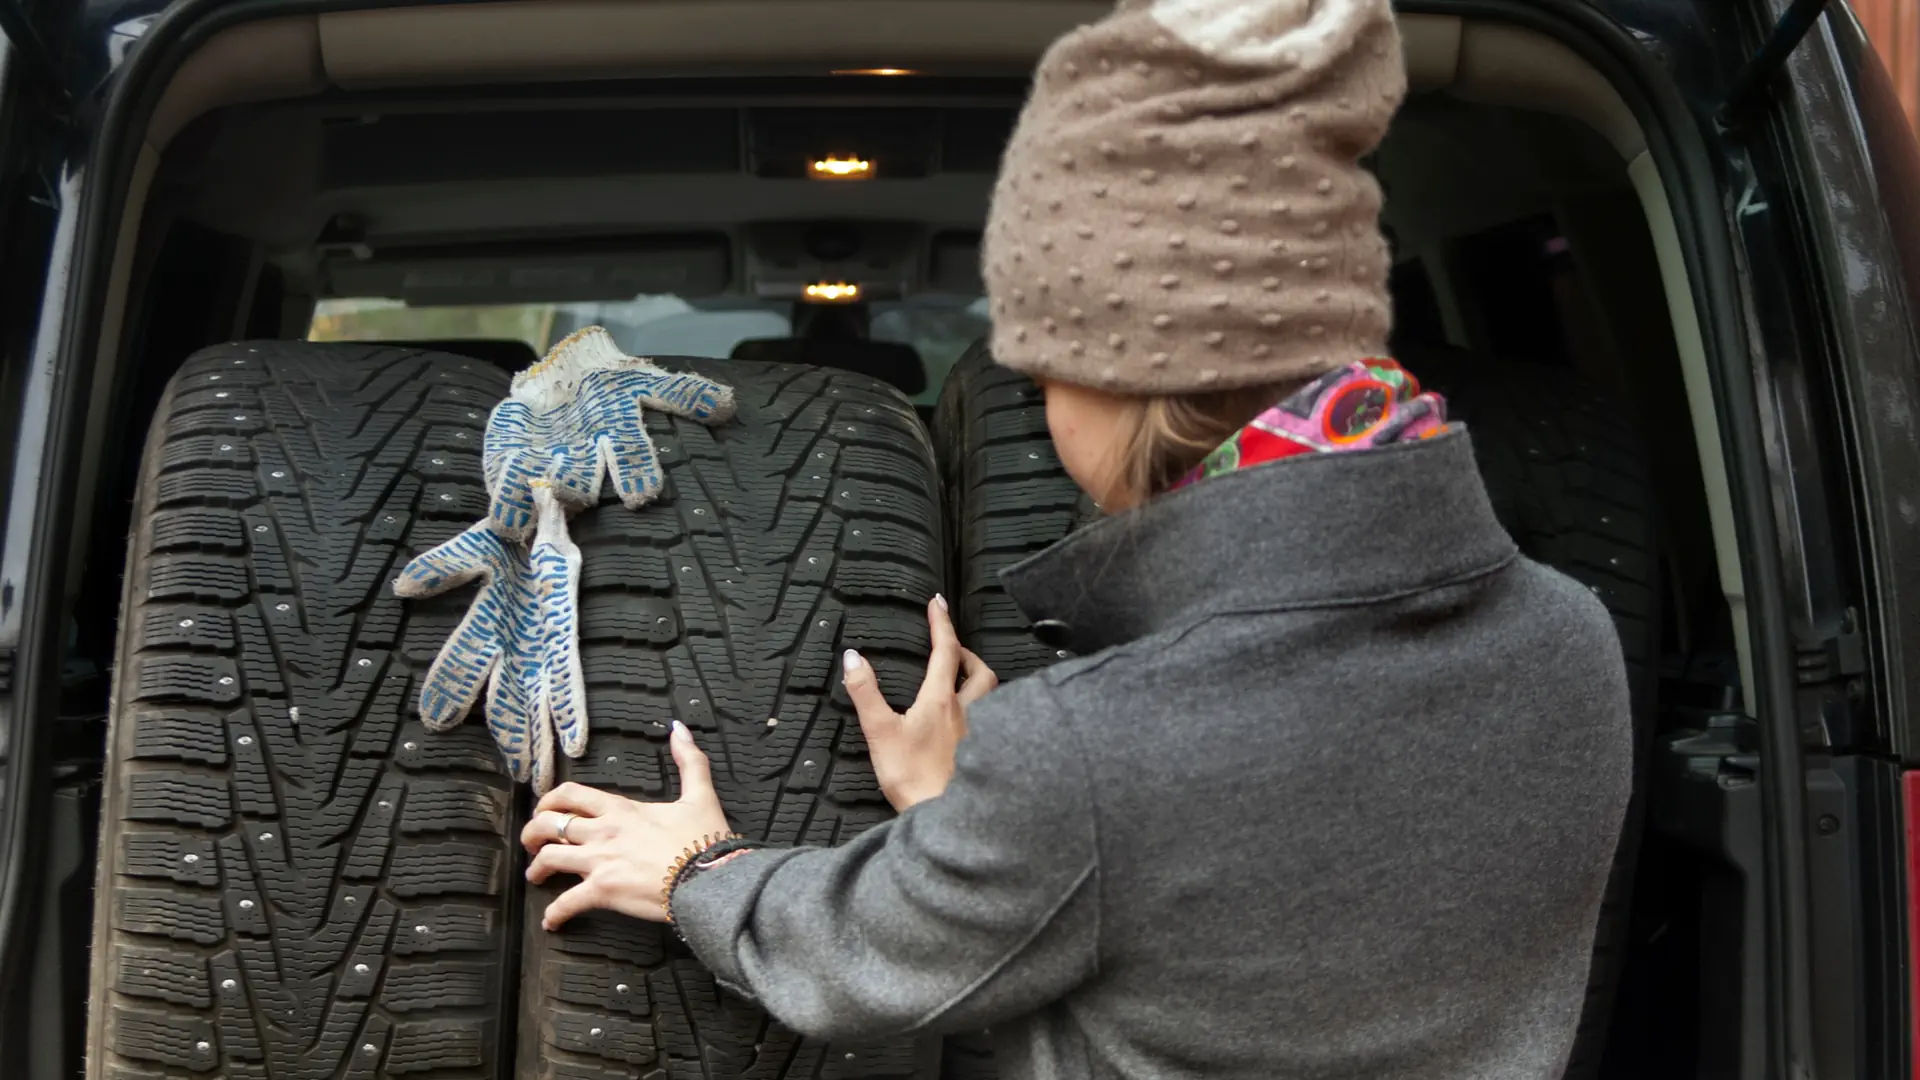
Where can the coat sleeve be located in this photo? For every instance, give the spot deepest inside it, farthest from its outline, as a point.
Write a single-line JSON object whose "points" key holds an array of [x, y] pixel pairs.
{"points": [[970, 909]]}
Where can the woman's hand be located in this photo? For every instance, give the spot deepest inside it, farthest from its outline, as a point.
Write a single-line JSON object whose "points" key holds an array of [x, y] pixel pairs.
{"points": [[913, 753], [621, 849]]}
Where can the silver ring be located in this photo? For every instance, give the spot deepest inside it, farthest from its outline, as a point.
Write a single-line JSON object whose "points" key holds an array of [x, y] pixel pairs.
{"points": [[561, 832]]}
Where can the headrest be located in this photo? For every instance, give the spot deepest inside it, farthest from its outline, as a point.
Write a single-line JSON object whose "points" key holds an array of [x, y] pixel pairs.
{"points": [[888, 361]]}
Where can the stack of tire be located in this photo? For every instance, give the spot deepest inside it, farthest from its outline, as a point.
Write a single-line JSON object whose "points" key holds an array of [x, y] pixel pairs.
{"points": [[300, 881]]}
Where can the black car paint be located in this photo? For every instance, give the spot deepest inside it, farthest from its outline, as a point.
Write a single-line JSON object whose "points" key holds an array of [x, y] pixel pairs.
{"points": [[1846, 145], [1799, 229]]}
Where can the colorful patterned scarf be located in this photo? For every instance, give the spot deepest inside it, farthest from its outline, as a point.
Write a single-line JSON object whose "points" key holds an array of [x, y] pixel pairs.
{"points": [[1366, 404]]}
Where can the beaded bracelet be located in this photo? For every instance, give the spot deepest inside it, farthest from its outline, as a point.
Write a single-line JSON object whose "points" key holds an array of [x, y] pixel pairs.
{"points": [[699, 857]]}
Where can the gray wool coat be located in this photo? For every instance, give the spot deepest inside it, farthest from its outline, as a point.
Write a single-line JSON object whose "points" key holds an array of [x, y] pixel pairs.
{"points": [[1332, 792]]}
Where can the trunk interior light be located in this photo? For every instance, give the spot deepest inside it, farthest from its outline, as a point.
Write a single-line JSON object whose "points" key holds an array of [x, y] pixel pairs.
{"points": [[875, 71], [841, 168], [836, 292]]}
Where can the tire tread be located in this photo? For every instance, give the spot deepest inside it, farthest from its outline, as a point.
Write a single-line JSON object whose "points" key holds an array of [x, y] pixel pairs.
{"points": [[807, 525], [259, 919]]}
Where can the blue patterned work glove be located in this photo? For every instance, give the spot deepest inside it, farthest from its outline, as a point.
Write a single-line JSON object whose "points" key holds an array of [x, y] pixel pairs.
{"points": [[578, 414], [520, 640]]}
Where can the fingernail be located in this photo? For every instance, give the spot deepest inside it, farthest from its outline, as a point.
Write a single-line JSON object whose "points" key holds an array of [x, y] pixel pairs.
{"points": [[850, 660], [678, 728], [941, 600]]}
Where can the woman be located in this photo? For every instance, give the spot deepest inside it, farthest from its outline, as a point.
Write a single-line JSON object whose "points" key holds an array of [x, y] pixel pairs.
{"points": [[1333, 789]]}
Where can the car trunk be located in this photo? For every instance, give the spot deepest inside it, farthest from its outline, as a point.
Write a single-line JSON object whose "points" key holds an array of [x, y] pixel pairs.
{"points": [[407, 176]]}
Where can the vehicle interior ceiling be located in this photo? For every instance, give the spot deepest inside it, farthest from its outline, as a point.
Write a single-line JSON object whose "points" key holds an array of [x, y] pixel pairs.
{"points": [[300, 163]]}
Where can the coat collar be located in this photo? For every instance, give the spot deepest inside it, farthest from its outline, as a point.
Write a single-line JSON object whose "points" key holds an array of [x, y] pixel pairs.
{"points": [[1308, 531]]}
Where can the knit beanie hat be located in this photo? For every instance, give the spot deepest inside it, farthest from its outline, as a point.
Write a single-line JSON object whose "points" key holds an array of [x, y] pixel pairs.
{"points": [[1181, 207]]}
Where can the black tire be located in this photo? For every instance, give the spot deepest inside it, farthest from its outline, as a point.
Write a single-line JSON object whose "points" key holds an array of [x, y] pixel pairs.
{"points": [[1009, 497], [1568, 479], [312, 893], [809, 524]]}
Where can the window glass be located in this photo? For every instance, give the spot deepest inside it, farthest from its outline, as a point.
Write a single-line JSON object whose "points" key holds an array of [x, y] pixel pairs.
{"points": [[939, 327]]}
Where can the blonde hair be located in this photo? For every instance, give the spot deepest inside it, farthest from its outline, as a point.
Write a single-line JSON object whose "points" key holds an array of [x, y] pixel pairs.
{"points": [[1174, 433]]}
